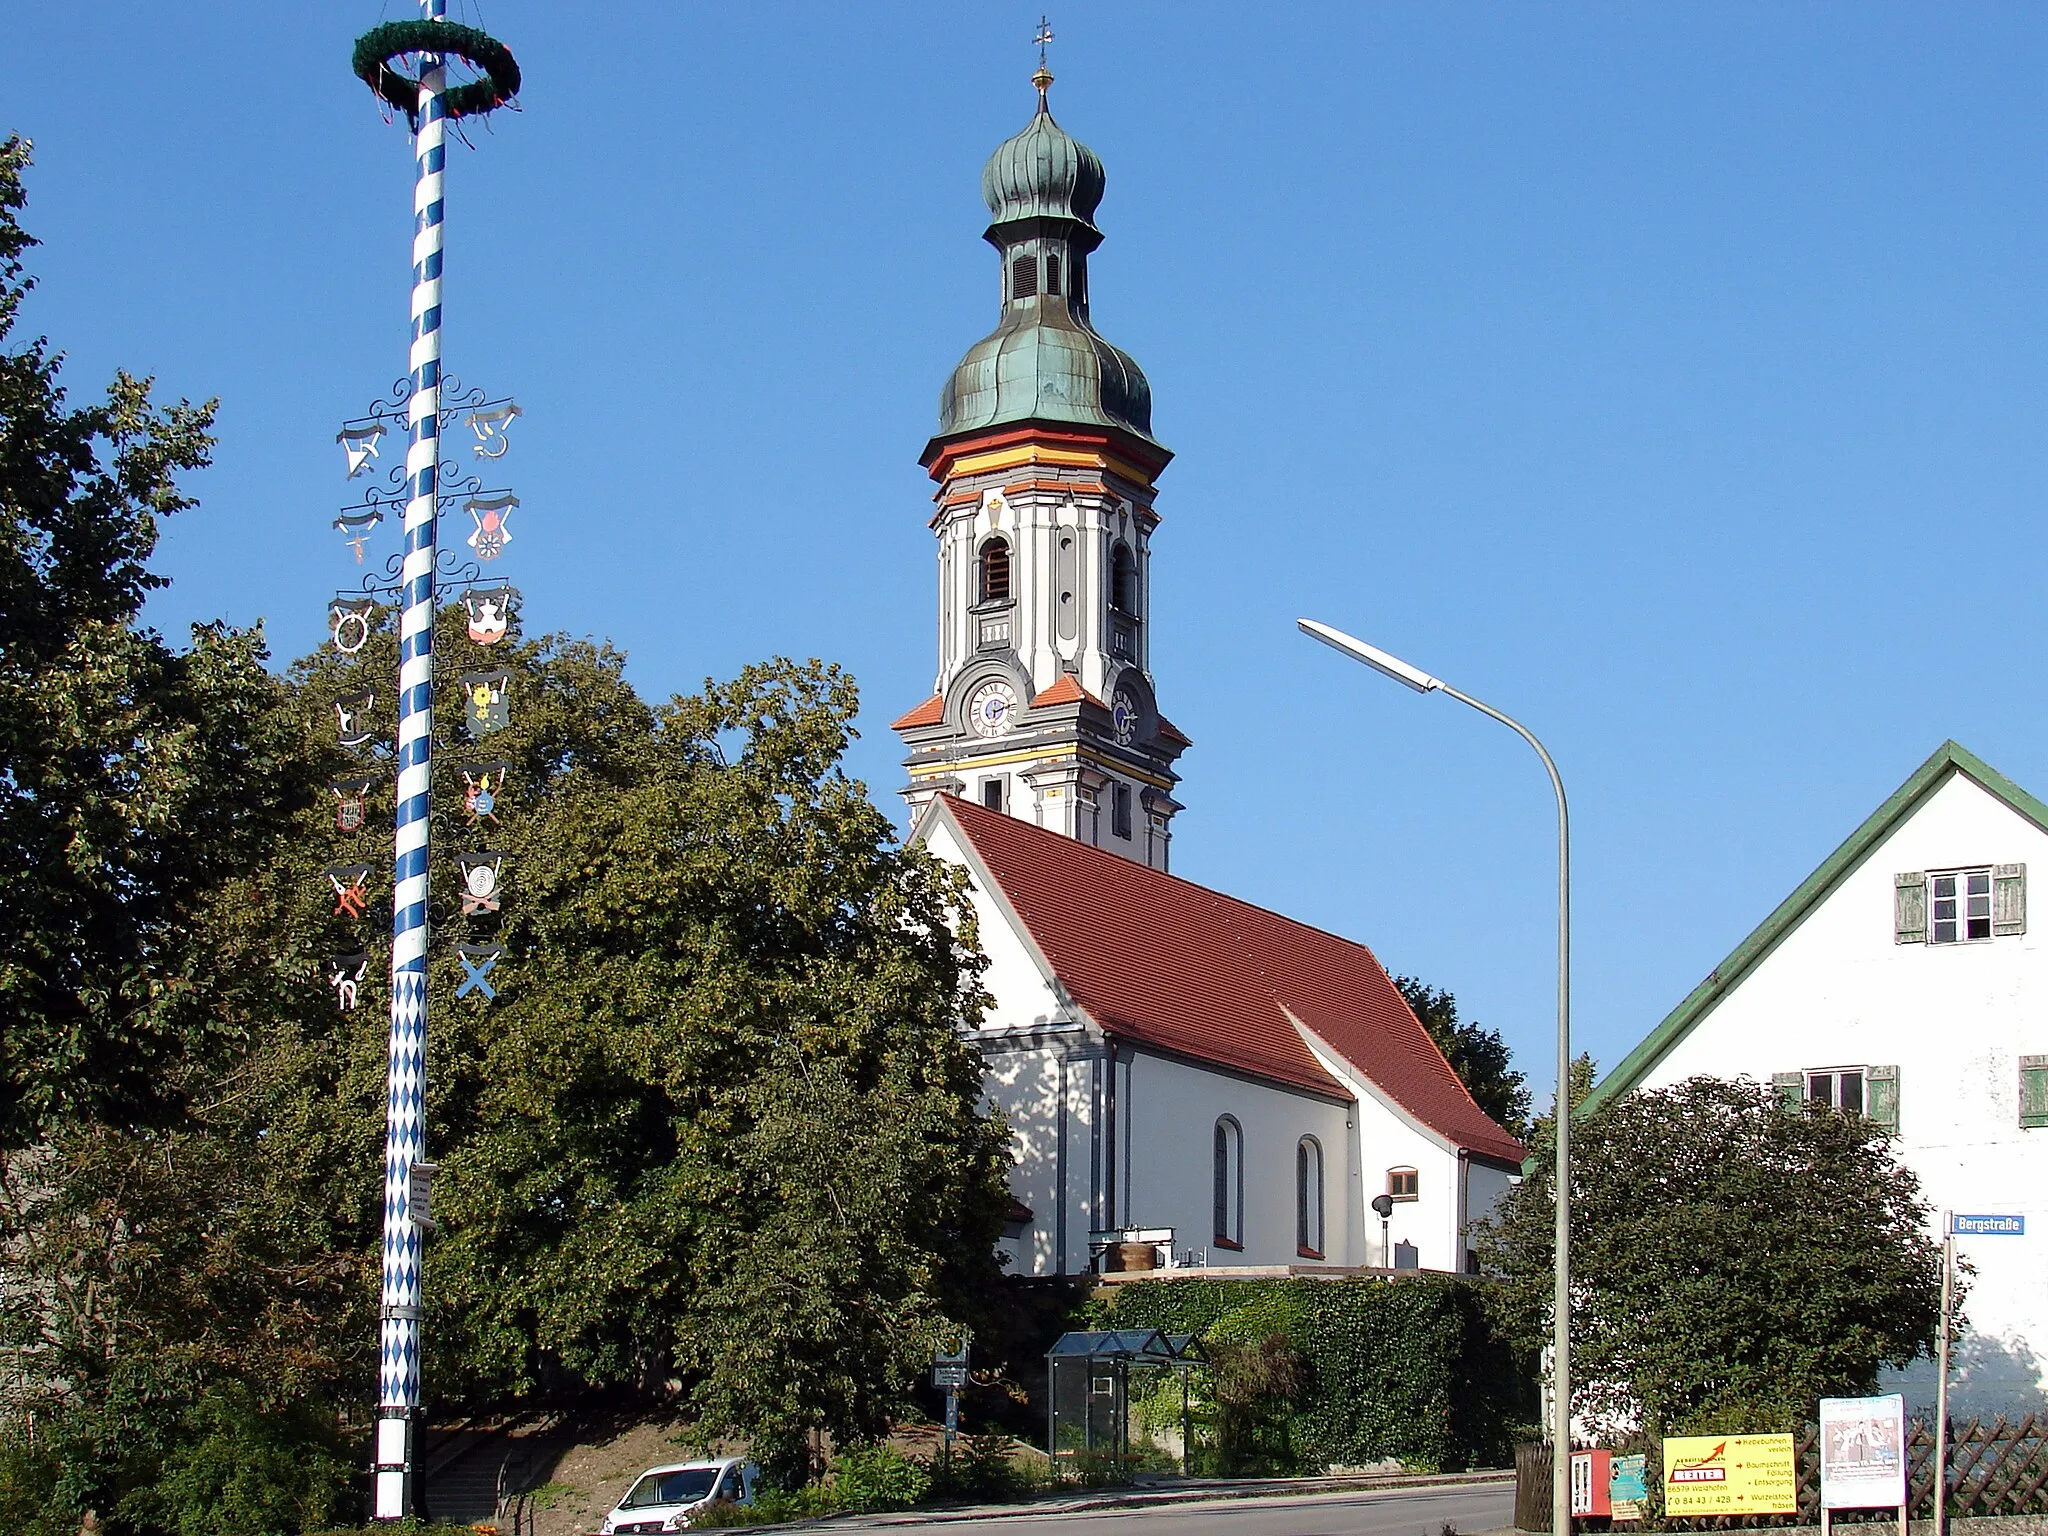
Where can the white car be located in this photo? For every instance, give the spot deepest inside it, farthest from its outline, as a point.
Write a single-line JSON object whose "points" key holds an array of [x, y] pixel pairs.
{"points": [[664, 1498]]}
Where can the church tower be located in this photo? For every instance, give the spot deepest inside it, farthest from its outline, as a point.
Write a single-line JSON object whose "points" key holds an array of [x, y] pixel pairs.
{"points": [[1043, 706]]}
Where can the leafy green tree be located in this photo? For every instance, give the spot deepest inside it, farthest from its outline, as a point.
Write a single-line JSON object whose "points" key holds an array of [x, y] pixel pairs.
{"points": [[1477, 1054], [134, 777], [1733, 1261]]}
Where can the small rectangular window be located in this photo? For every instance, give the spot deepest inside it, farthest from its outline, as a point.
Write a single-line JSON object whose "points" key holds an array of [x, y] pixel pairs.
{"points": [[1120, 811], [1023, 277], [1404, 1183], [992, 793], [1838, 1088], [1959, 906], [2034, 1092], [1052, 274]]}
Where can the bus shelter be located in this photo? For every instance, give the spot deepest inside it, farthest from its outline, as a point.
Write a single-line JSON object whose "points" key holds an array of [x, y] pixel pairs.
{"points": [[1088, 1389]]}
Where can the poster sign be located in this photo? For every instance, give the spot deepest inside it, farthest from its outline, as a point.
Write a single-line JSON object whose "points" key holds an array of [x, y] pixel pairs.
{"points": [[1628, 1488], [1862, 1452], [1730, 1475]]}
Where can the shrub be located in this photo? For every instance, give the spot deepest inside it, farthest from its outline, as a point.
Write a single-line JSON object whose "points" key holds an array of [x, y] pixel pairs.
{"points": [[981, 1470], [878, 1478], [243, 1469]]}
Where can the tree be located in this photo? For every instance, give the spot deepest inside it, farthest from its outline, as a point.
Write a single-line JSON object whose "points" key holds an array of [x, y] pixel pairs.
{"points": [[1477, 1054], [1733, 1260], [718, 1146], [134, 778]]}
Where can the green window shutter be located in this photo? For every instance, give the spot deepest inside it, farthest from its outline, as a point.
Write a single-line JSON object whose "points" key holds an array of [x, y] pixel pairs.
{"points": [[2034, 1092], [1881, 1097], [2008, 900], [1790, 1087], [1909, 908]]}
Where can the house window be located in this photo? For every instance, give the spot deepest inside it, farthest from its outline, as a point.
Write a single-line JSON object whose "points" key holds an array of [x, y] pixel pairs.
{"points": [[1404, 1183], [1308, 1198], [1023, 277], [1123, 579], [1120, 810], [2034, 1092], [1838, 1088], [992, 793], [1872, 1092], [994, 576], [1959, 906], [1229, 1184]]}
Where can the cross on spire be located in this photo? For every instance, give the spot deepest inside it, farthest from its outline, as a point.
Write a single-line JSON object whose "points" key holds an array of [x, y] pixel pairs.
{"points": [[1043, 79]]}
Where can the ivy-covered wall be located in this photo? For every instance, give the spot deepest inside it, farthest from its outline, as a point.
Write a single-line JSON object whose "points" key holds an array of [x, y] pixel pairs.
{"points": [[1409, 1368]]}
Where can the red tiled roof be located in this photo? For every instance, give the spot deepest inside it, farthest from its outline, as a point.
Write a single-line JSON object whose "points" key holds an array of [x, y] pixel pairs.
{"points": [[1172, 732], [1067, 691], [931, 712], [1192, 971]]}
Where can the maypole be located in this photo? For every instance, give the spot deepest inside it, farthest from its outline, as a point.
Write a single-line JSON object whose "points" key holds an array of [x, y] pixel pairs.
{"points": [[428, 102]]}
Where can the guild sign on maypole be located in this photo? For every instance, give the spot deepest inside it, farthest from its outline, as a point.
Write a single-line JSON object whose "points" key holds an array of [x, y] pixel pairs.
{"points": [[406, 64]]}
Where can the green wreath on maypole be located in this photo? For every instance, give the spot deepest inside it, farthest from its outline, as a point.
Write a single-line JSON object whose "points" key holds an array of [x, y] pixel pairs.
{"points": [[490, 58]]}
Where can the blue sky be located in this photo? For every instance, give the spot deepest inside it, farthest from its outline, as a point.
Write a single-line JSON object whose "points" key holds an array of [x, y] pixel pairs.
{"points": [[1670, 376]]}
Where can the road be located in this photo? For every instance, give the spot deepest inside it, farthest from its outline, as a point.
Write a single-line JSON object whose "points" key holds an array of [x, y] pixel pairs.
{"points": [[1383, 1512]]}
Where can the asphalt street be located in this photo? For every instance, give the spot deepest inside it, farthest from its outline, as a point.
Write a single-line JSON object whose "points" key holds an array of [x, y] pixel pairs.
{"points": [[1380, 1512]]}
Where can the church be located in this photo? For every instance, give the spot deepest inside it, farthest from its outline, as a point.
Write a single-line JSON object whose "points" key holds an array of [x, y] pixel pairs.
{"points": [[1191, 1081]]}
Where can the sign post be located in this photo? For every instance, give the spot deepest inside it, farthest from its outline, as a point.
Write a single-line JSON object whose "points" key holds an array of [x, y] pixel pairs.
{"points": [[1862, 1456], [949, 1374], [1952, 1227]]}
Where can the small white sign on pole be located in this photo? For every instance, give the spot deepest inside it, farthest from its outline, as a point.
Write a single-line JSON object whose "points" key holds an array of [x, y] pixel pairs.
{"points": [[1863, 1452]]}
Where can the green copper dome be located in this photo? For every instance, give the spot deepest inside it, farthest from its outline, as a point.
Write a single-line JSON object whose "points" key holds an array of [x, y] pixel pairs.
{"points": [[1044, 361]]}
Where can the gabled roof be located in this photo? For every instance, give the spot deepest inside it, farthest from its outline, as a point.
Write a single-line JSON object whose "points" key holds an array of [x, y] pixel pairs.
{"points": [[1949, 759], [1067, 691], [1166, 963]]}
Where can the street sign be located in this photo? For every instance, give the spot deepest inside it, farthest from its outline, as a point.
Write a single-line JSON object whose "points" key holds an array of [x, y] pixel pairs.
{"points": [[951, 1377], [1987, 1226]]}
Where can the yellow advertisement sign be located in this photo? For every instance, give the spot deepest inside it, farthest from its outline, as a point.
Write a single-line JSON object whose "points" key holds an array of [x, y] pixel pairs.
{"points": [[1730, 1475]]}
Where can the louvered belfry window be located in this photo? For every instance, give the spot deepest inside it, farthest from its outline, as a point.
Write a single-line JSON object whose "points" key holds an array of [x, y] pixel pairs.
{"points": [[1023, 277], [1052, 274], [995, 571]]}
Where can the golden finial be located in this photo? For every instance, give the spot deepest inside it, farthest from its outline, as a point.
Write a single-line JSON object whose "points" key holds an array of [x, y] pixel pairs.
{"points": [[1043, 79]]}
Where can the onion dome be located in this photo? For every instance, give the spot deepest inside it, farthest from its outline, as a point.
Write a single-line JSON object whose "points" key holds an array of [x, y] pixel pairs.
{"points": [[1044, 361]]}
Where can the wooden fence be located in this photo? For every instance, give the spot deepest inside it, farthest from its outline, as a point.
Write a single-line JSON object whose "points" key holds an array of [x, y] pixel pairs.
{"points": [[1999, 1468]]}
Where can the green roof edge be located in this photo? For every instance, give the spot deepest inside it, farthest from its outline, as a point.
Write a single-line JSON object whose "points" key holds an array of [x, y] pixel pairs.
{"points": [[1745, 957]]}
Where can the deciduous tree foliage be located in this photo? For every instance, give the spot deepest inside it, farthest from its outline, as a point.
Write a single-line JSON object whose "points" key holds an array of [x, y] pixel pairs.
{"points": [[133, 777], [1733, 1261], [1477, 1054]]}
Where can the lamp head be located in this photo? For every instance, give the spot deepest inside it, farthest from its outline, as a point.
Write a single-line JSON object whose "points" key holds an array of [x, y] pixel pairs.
{"points": [[1384, 1205], [1371, 655]]}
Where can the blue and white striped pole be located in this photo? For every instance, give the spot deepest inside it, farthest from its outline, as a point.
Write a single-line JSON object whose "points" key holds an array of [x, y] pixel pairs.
{"points": [[398, 1355]]}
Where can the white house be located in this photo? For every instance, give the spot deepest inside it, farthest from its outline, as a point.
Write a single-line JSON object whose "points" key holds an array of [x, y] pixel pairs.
{"points": [[1168, 1056], [1901, 981]]}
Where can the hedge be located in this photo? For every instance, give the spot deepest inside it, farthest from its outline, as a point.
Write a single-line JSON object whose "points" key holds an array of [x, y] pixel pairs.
{"points": [[1410, 1369]]}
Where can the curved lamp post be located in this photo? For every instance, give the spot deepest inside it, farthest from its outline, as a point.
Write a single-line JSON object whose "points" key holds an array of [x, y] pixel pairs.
{"points": [[1561, 1339]]}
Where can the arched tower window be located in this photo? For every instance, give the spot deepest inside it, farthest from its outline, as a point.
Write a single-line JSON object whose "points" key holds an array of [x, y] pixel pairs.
{"points": [[1052, 275], [993, 572], [1123, 580], [1229, 1182], [1308, 1198], [1024, 277]]}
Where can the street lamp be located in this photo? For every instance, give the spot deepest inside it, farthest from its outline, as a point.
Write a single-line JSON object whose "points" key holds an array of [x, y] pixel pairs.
{"points": [[1561, 1338]]}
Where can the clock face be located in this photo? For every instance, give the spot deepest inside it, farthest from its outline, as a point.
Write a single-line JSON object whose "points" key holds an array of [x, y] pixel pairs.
{"points": [[1123, 714], [990, 709]]}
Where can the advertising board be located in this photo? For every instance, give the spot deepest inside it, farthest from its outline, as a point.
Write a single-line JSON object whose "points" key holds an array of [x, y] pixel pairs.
{"points": [[1862, 1452], [1730, 1475]]}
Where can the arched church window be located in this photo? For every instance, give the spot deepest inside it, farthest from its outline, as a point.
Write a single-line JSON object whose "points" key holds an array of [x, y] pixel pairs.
{"points": [[994, 575], [1052, 274], [1024, 277], [1308, 1198], [1229, 1184], [1123, 579]]}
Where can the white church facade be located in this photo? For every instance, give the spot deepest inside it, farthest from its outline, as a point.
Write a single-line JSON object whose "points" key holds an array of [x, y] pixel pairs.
{"points": [[1169, 1059], [1902, 981]]}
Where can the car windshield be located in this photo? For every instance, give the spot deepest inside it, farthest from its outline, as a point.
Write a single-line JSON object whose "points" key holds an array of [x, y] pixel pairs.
{"points": [[684, 1487]]}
